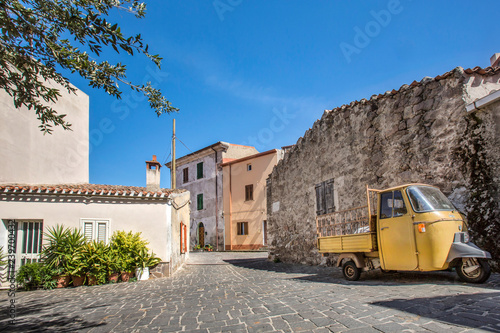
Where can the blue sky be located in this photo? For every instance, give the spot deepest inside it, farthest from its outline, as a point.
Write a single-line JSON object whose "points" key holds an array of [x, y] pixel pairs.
{"points": [[260, 72]]}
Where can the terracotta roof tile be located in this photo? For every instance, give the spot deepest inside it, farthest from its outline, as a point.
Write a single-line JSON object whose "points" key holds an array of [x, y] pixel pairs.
{"points": [[488, 71], [87, 189]]}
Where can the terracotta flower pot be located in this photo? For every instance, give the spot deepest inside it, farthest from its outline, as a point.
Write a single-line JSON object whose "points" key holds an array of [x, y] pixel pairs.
{"points": [[126, 276], [78, 280], [92, 280], [113, 277], [62, 281]]}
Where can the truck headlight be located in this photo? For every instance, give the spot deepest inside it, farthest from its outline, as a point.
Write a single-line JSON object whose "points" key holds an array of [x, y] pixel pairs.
{"points": [[466, 237]]}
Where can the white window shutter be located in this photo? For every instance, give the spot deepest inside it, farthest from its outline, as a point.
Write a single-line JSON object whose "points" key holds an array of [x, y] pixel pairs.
{"points": [[101, 231], [88, 230]]}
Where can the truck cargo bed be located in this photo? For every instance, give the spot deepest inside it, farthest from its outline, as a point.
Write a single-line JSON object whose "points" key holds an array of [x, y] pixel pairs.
{"points": [[365, 242]]}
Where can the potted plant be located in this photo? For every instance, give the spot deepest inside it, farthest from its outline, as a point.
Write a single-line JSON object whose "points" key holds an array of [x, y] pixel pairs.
{"points": [[62, 246], [128, 245], [77, 270], [112, 261], [94, 256], [144, 261], [29, 276]]}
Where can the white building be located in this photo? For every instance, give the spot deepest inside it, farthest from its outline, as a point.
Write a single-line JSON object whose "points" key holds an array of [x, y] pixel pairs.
{"points": [[44, 182]]}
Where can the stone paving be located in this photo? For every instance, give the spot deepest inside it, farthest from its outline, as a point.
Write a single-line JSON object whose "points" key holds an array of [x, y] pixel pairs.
{"points": [[244, 292]]}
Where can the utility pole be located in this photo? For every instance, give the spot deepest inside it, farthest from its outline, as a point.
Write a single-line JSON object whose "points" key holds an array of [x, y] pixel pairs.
{"points": [[172, 177]]}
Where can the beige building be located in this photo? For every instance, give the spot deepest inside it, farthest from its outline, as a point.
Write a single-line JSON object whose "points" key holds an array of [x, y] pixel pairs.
{"points": [[244, 192], [44, 182]]}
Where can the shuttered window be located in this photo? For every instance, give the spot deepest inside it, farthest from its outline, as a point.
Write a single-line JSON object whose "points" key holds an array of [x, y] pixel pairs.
{"points": [[325, 202], [199, 201], [242, 228], [88, 230], [101, 231], [94, 229], [199, 170], [248, 192]]}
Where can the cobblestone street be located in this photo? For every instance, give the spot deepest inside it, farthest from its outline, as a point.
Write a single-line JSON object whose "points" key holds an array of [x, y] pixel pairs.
{"points": [[244, 292]]}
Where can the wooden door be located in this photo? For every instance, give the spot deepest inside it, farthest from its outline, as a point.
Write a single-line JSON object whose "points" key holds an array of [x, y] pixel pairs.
{"points": [[201, 235]]}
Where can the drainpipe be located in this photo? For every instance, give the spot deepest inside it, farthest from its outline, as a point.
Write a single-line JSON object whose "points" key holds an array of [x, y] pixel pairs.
{"points": [[216, 202], [230, 209]]}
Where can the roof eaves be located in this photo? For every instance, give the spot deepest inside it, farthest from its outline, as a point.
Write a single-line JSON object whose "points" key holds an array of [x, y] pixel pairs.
{"points": [[246, 158]]}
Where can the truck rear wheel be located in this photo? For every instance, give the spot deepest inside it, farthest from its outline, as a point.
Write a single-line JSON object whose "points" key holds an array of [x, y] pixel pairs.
{"points": [[351, 271], [473, 270]]}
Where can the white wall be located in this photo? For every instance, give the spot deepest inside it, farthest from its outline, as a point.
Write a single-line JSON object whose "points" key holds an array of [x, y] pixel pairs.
{"points": [[29, 157], [153, 220]]}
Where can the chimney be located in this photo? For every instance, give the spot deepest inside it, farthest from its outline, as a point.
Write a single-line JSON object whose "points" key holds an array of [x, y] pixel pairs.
{"points": [[153, 175], [495, 60]]}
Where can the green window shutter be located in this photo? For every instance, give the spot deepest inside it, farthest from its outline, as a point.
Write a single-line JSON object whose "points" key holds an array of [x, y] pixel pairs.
{"points": [[199, 170], [200, 201]]}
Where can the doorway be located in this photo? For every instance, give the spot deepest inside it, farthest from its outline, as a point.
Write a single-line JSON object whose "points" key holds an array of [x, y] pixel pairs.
{"points": [[201, 235], [28, 241]]}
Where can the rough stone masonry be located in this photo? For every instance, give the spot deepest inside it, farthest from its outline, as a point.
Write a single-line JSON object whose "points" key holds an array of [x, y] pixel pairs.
{"points": [[421, 133]]}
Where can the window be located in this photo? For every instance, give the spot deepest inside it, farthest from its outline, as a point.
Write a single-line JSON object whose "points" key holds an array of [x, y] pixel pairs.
{"points": [[426, 199], [199, 201], [392, 205], [199, 170], [248, 192], [242, 228], [249, 167], [185, 175], [94, 229], [324, 197]]}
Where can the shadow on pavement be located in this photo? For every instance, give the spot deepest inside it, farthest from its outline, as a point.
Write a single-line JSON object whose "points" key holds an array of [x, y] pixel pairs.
{"points": [[334, 275], [25, 320], [480, 310]]}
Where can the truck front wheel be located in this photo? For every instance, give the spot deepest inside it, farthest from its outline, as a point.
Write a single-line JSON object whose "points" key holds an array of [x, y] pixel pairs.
{"points": [[473, 270], [350, 271]]}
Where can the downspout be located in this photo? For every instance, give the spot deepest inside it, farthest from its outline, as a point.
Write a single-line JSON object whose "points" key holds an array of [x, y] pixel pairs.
{"points": [[216, 202], [230, 210]]}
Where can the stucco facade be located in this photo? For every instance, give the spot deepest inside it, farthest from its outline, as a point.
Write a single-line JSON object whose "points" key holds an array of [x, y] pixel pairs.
{"points": [[44, 182], [424, 132], [30, 157], [154, 216], [207, 221], [244, 188]]}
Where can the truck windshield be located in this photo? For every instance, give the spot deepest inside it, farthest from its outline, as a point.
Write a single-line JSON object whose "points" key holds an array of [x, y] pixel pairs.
{"points": [[426, 199]]}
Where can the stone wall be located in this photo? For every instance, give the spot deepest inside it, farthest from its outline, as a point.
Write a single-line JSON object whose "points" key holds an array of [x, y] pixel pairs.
{"points": [[420, 133]]}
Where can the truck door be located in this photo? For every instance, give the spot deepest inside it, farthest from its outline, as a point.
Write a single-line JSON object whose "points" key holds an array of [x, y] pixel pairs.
{"points": [[397, 241]]}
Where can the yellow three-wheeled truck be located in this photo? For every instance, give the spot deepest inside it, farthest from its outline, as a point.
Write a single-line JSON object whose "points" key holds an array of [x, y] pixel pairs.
{"points": [[410, 228]]}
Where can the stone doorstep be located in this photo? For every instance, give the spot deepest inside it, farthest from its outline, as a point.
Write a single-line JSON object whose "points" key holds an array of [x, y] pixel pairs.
{"points": [[161, 270]]}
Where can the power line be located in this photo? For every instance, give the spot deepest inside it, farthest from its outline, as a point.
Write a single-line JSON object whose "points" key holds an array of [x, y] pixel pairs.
{"points": [[183, 144]]}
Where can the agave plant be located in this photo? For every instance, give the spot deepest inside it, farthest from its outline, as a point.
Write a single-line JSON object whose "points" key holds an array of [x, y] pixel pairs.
{"points": [[62, 249]]}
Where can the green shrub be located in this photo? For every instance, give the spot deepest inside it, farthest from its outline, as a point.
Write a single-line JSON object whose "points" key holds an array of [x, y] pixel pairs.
{"points": [[133, 251], [35, 275], [3, 257]]}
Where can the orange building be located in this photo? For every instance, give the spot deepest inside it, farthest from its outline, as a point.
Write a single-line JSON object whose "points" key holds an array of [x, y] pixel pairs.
{"points": [[244, 193]]}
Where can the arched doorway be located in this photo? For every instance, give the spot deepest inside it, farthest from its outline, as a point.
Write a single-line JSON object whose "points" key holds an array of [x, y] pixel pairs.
{"points": [[201, 235]]}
